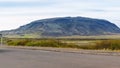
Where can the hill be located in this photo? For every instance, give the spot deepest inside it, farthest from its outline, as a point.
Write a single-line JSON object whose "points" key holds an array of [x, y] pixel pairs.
{"points": [[66, 26]]}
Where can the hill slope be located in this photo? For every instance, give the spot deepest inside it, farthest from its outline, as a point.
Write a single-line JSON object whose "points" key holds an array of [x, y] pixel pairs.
{"points": [[66, 26]]}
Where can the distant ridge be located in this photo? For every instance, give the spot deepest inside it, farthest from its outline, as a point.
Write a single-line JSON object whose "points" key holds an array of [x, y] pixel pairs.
{"points": [[66, 26]]}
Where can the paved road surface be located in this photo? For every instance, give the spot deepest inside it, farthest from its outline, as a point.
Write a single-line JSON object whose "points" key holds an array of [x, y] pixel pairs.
{"points": [[21, 58]]}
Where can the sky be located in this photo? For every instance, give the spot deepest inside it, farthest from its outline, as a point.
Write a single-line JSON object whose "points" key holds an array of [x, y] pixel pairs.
{"points": [[15, 13]]}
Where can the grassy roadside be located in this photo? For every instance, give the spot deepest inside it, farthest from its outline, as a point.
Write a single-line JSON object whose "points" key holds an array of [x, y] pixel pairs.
{"points": [[98, 44], [40, 43], [104, 44]]}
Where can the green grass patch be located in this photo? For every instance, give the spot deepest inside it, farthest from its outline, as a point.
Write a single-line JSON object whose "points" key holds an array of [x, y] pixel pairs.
{"points": [[40, 43], [93, 44], [104, 44]]}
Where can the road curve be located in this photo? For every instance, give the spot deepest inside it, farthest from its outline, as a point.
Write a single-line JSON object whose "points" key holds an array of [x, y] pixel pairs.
{"points": [[23, 58]]}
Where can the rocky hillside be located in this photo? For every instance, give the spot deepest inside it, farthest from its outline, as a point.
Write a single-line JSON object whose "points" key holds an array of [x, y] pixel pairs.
{"points": [[66, 26]]}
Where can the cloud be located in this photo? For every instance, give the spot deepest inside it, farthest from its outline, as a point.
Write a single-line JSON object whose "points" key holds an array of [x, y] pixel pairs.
{"points": [[20, 0], [15, 4], [19, 12]]}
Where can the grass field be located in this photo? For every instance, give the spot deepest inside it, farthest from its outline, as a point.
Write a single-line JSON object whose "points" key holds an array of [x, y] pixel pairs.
{"points": [[116, 36], [111, 42]]}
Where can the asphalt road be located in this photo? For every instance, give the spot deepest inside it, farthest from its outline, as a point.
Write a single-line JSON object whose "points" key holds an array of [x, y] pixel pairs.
{"points": [[21, 58]]}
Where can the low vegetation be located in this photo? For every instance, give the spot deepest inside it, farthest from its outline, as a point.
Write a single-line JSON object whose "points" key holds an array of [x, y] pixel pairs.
{"points": [[40, 43], [98, 44], [104, 44]]}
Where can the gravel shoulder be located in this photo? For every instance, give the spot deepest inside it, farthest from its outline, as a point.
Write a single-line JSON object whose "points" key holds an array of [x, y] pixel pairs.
{"points": [[69, 50]]}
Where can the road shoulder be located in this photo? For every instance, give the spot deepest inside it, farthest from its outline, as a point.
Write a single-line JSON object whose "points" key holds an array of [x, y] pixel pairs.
{"points": [[69, 50]]}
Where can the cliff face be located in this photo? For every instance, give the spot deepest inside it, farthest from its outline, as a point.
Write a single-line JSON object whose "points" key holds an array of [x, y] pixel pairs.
{"points": [[67, 26]]}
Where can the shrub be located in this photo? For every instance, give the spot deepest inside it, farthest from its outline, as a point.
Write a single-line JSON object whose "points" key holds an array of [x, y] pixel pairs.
{"points": [[18, 42], [109, 44], [104, 44], [40, 43]]}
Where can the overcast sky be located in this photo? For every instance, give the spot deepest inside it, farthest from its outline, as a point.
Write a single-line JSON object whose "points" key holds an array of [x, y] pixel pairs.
{"points": [[14, 13]]}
